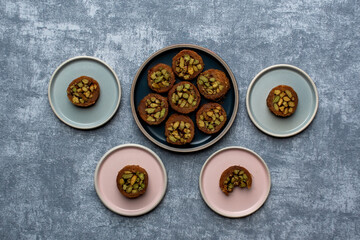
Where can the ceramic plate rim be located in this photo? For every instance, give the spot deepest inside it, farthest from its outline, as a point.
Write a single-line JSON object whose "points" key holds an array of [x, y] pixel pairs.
{"points": [[273, 67], [218, 152], [231, 120], [128, 145], [69, 61]]}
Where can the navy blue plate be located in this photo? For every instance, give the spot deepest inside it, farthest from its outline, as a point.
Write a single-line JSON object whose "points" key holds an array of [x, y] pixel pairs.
{"points": [[140, 89]]}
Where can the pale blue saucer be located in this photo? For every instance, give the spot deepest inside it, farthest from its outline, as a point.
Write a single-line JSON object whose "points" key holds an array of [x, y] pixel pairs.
{"points": [[105, 107], [261, 85]]}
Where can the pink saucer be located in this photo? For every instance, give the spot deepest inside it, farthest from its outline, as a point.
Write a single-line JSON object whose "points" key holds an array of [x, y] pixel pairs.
{"points": [[241, 202], [109, 166]]}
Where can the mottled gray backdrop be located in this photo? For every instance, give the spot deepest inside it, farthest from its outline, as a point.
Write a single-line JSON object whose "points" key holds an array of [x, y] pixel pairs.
{"points": [[47, 168]]}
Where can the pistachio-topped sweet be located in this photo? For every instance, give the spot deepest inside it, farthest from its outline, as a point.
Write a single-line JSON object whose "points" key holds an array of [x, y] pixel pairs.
{"points": [[153, 108], [187, 64], [213, 84], [161, 78], [83, 91], [179, 129], [184, 97], [132, 181], [235, 176], [210, 118], [282, 101]]}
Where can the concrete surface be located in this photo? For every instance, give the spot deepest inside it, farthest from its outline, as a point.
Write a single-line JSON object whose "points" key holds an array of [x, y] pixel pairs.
{"points": [[47, 168]]}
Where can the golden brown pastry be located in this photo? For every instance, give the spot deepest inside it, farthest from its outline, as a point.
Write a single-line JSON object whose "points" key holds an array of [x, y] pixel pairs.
{"points": [[132, 181], [213, 84], [235, 176], [282, 101], [153, 109], [184, 97], [187, 64], [210, 118], [179, 129], [83, 91], [161, 78]]}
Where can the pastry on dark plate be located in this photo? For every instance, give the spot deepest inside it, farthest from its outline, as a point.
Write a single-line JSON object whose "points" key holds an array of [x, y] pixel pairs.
{"points": [[210, 118], [235, 176], [187, 64], [213, 84], [179, 129], [153, 108], [161, 78], [83, 91], [282, 101], [132, 181], [184, 97]]}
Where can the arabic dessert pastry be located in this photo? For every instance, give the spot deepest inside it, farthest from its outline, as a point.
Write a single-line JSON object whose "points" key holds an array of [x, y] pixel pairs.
{"points": [[235, 176], [187, 64], [132, 181], [213, 84], [179, 129], [161, 78], [210, 118], [184, 97], [282, 101], [83, 91], [153, 109]]}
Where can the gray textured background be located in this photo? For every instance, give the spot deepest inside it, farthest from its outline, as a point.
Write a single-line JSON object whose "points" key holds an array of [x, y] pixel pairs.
{"points": [[47, 168]]}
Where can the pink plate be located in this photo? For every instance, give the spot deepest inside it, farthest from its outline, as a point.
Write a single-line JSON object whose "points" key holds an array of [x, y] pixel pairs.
{"points": [[109, 166], [241, 202]]}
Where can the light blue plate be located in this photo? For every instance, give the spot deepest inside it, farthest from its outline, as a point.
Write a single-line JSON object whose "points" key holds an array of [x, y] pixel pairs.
{"points": [[105, 107], [259, 89]]}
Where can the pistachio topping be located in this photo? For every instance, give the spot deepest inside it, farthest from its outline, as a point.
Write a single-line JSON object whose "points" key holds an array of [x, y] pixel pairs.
{"points": [[211, 118], [155, 109], [210, 84], [237, 176], [132, 182], [82, 91], [184, 96], [179, 131], [283, 101], [186, 66], [160, 78]]}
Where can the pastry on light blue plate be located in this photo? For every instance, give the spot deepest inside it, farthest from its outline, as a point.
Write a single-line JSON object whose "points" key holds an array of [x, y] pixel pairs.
{"points": [[258, 91], [84, 91], [282, 101]]}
